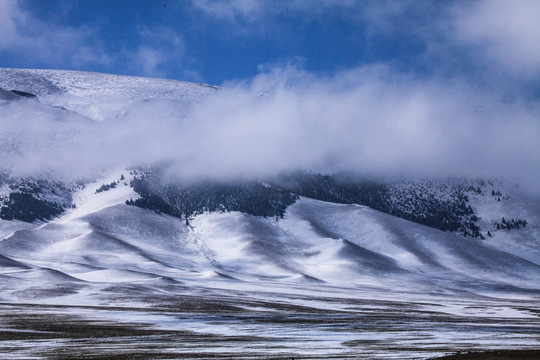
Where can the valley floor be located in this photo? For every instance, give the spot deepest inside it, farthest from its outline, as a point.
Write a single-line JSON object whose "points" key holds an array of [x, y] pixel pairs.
{"points": [[174, 321], [495, 355]]}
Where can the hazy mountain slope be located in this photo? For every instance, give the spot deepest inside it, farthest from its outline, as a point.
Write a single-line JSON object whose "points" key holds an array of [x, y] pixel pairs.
{"points": [[95, 95]]}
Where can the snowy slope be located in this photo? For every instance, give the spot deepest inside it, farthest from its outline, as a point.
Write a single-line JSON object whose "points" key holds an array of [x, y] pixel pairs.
{"points": [[104, 239], [98, 96], [327, 280], [515, 203]]}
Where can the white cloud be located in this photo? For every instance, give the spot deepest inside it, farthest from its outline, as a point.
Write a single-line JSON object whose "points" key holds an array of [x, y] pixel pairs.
{"points": [[506, 32], [146, 61], [370, 120], [156, 48], [249, 17], [10, 18], [23, 34], [230, 10]]}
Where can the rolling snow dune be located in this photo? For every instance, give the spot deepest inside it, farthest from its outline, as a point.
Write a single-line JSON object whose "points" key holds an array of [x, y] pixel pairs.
{"points": [[7, 263], [327, 280], [340, 245], [414, 247]]}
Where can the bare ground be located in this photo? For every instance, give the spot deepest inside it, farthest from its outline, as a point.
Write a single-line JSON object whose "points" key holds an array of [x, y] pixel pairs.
{"points": [[210, 327], [495, 355]]}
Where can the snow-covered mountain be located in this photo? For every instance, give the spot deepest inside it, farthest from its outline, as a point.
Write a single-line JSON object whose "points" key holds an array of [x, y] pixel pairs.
{"points": [[95, 95], [130, 264]]}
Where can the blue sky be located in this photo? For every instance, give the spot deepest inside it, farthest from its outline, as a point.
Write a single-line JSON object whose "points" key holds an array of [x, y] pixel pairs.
{"points": [[206, 41], [221, 41]]}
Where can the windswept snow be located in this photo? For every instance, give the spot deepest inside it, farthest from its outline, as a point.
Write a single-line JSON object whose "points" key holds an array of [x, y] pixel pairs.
{"points": [[328, 279], [99, 96]]}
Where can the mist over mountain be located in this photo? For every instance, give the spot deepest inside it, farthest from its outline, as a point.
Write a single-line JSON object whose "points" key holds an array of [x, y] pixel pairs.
{"points": [[289, 200], [200, 144], [283, 120]]}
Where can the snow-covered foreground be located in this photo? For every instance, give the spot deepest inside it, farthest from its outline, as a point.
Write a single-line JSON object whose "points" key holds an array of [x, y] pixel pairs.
{"points": [[327, 281], [176, 321]]}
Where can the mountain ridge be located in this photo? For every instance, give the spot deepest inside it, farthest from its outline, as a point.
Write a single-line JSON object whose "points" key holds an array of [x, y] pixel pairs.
{"points": [[99, 96]]}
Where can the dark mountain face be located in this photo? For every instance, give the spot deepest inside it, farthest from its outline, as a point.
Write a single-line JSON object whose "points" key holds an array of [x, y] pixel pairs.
{"points": [[8, 95], [28, 82], [187, 200], [29, 199], [14, 95], [24, 94], [443, 205]]}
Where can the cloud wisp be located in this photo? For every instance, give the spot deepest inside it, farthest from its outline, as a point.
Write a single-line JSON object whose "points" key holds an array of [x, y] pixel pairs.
{"points": [[502, 33], [25, 35]]}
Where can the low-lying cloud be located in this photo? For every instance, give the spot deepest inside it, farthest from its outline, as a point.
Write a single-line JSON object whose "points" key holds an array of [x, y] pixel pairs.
{"points": [[370, 120]]}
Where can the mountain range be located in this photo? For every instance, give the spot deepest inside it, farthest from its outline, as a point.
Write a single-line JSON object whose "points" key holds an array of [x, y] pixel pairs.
{"points": [[101, 257]]}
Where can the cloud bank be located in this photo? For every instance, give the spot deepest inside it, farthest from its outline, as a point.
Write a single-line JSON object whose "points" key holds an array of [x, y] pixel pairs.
{"points": [[370, 121]]}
